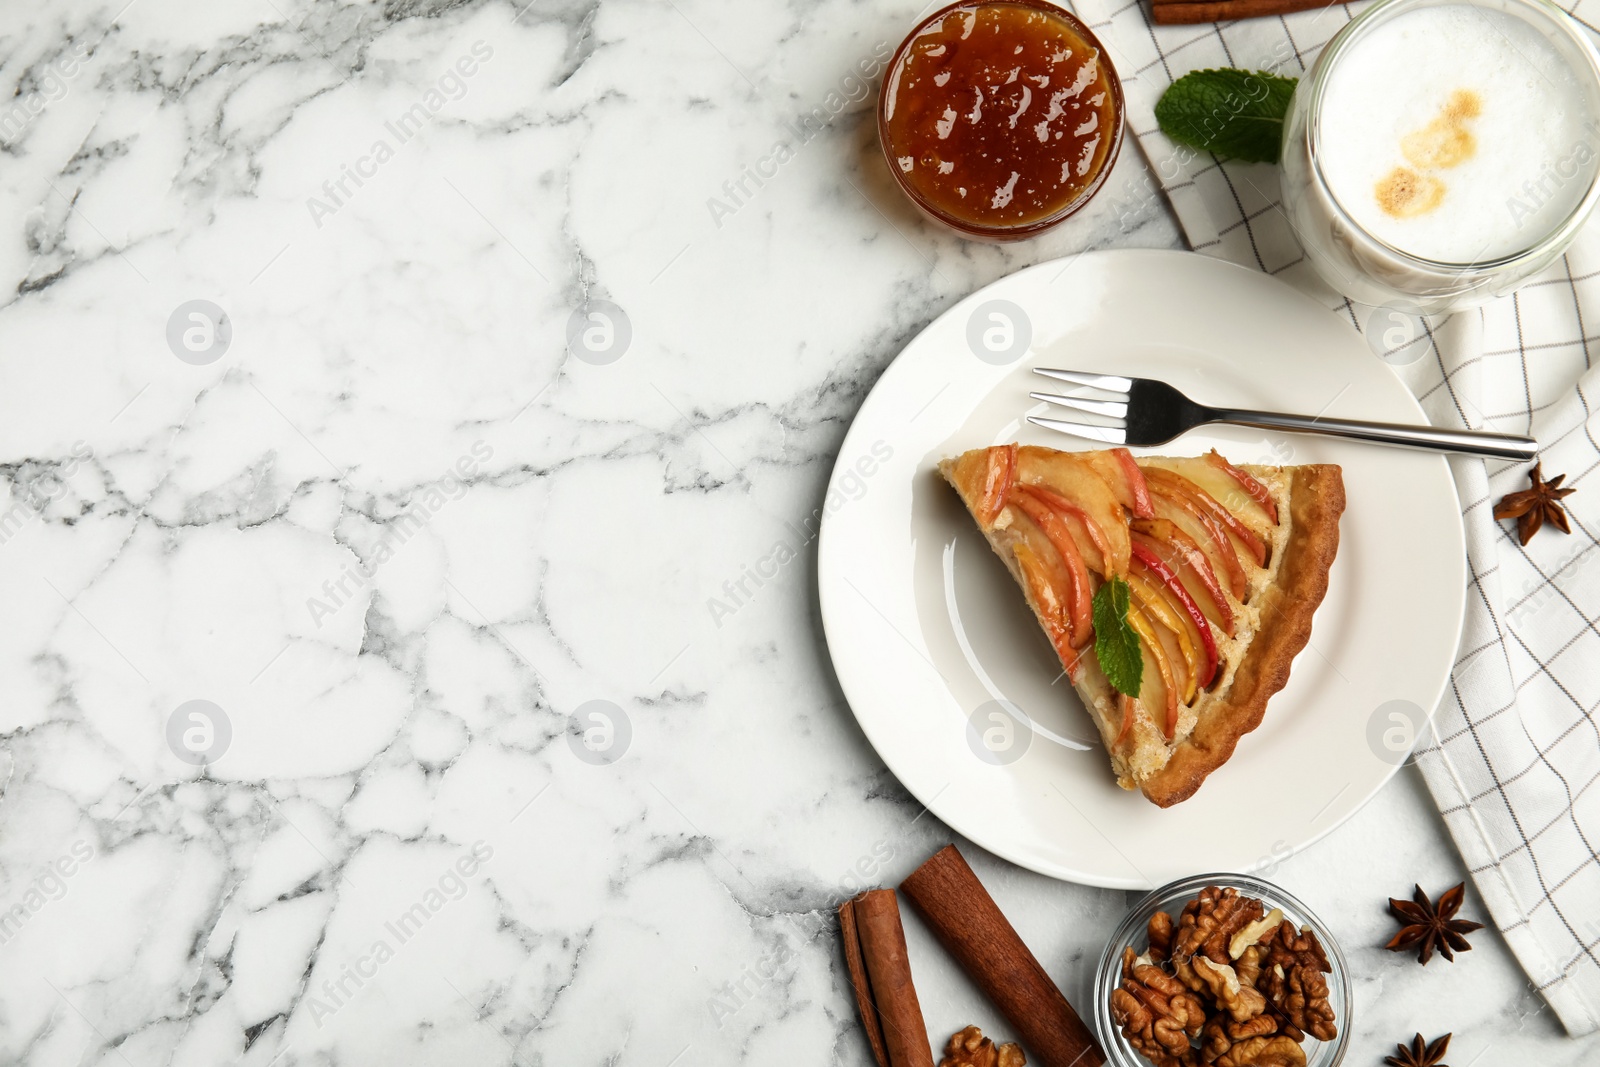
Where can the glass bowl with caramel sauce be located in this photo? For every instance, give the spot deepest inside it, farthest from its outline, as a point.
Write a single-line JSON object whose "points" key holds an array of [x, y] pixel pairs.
{"points": [[1000, 119]]}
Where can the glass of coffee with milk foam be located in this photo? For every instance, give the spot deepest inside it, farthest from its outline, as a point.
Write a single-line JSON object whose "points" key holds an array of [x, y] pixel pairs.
{"points": [[1441, 152]]}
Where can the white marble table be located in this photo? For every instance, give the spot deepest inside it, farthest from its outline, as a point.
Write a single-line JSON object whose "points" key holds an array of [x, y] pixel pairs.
{"points": [[397, 538]]}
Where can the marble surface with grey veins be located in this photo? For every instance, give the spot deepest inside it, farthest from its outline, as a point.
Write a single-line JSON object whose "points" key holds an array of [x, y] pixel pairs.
{"points": [[366, 695]]}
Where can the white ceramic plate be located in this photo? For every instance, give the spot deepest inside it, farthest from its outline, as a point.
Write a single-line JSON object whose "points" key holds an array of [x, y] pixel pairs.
{"points": [[929, 635]]}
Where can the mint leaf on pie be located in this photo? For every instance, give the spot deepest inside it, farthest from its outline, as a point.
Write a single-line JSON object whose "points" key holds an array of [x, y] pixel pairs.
{"points": [[1116, 646], [1235, 114]]}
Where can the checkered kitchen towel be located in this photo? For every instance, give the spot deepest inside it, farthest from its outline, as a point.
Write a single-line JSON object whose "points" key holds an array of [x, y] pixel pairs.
{"points": [[1514, 762]]}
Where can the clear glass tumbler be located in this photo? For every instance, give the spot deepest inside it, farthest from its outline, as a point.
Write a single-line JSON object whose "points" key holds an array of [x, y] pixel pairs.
{"points": [[1367, 269]]}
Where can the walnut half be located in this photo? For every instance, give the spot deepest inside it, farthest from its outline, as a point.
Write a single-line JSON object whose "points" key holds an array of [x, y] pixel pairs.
{"points": [[1157, 1014], [1276, 1051], [1220, 1035], [1292, 979], [969, 1048], [1210, 921], [1253, 932], [1237, 999]]}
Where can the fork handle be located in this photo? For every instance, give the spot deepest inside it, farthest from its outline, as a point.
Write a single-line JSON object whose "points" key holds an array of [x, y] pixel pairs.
{"points": [[1471, 442]]}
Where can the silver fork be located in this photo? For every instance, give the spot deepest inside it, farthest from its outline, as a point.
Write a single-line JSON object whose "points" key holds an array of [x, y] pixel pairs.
{"points": [[1152, 413]]}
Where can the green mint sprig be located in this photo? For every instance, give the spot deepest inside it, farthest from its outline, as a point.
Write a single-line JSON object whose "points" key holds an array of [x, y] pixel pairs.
{"points": [[1235, 114], [1116, 645]]}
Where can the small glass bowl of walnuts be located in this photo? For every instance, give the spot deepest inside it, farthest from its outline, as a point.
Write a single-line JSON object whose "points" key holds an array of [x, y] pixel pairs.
{"points": [[1222, 970]]}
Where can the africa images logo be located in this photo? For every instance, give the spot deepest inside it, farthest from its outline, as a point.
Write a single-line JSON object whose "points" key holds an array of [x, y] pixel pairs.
{"points": [[353, 977], [851, 89], [420, 510], [48, 885], [849, 485], [450, 86]]}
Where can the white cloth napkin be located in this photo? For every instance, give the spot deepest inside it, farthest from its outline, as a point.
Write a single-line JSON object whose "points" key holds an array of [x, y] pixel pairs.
{"points": [[1513, 760]]}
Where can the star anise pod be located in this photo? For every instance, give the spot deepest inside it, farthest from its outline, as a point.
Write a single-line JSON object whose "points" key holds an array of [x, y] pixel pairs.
{"points": [[1430, 926], [1419, 1054], [1532, 508]]}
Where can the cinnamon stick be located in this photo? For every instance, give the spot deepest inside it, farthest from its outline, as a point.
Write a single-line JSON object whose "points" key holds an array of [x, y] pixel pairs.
{"points": [[880, 972], [970, 926], [1185, 12]]}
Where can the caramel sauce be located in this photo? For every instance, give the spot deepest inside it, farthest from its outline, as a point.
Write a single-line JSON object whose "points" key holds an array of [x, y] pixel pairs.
{"points": [[999, 114]]}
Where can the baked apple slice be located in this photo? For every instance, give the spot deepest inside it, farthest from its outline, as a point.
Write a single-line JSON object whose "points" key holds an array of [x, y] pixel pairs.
{"points": [[1035, 505], [1120, 471], [1253, 489], [1208, 532], [1075, 487], [1157, 607], [1148, 562], [1180, 553], [1186, 487]]}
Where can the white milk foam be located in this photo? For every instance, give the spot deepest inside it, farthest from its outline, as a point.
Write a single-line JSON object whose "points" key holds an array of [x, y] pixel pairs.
{"points": [[1535, 146]]}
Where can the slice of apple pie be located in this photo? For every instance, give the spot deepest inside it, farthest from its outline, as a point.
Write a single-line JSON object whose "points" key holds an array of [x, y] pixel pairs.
{"points": [[1176, 591]]}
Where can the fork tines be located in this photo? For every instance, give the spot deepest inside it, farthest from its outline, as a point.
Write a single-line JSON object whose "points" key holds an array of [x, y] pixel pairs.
{"points": [[1117, 410], [1111, 383]]}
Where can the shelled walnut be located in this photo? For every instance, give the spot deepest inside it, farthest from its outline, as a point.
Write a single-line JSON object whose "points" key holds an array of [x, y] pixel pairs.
{"points": [[969, 1048], [1240, 1001], [1157, 1014], [1292, 978], [1248, 966], [1220, 1034], [1216, 916], [1279, 1051], [1227, 984], [1159, 930]]}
